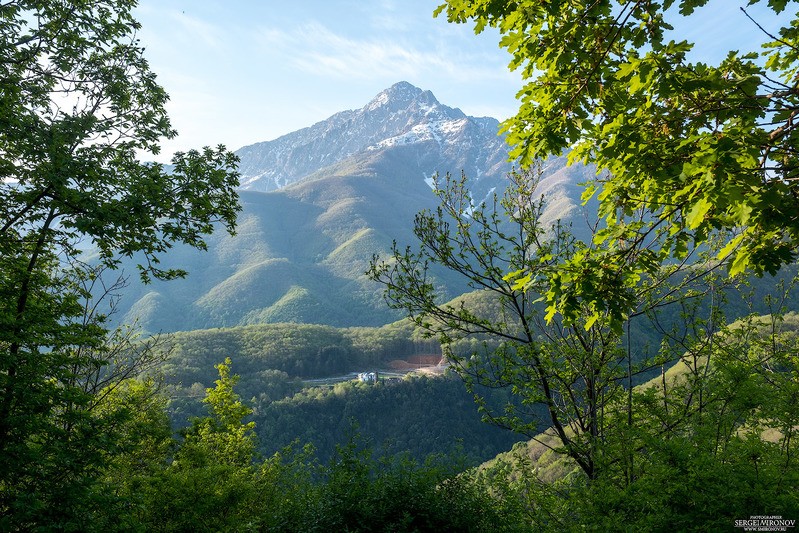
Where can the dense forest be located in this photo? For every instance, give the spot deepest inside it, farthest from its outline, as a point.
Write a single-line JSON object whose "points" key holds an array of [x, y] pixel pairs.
{"points": [[418, 415], [648, 374], [422, 415]]}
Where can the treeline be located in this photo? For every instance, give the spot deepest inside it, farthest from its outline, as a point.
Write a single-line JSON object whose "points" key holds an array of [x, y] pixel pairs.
{"points": [[298, 350], [419, 416]]}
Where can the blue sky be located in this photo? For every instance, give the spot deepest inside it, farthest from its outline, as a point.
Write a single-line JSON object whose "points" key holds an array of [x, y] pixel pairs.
{"points": [[245, 71]]}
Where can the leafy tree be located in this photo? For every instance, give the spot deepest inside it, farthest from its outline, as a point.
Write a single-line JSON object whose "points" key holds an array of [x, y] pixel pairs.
{"points": [[79, 108], [563, 373], [356, 492], [78, 424], [141, 444], [212, 483], [712, 444], [223, 436], [688, 152], [699, 146]]}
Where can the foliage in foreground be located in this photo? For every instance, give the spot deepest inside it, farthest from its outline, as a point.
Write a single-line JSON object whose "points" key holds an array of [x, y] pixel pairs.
{"points": [[680, 468], [212, 480], [709, 447], [634, 456], [78, 106], [699, 146]]}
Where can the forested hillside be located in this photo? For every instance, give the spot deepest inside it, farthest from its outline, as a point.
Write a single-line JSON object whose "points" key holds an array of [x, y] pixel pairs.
{"points": [[620, 310], [420, 416], [300, 350], [301, 252]]}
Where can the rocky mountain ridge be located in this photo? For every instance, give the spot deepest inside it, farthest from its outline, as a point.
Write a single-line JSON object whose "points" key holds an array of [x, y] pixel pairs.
{"points": [[402, 115], [320, 202]]}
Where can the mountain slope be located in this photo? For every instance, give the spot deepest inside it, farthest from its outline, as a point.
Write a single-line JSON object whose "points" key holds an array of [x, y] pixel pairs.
{"points": [[349, 187]]}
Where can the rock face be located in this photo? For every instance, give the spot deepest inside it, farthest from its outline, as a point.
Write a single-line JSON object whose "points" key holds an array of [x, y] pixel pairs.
{"points": [[400, 116], [320, 202]]}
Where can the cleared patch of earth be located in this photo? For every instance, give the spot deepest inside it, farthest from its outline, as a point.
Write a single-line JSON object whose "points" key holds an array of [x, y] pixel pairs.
{"points": [[428, 364]]}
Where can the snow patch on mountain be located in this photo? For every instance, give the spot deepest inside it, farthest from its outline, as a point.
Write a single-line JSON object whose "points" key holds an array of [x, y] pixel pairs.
{"points": [[380, 100], [439, 131], [430, 181]]}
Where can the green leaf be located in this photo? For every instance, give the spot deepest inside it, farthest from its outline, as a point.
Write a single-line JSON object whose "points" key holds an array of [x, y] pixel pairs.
{"points": [[696, 215], [740, 263]]}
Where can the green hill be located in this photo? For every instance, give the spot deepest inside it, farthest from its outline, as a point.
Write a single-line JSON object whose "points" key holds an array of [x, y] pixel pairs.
{"points": [[300, 253]]}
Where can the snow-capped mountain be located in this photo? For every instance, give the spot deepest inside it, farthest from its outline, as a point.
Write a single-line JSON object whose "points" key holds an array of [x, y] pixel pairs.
{"points": [[318, 203], [400, 116]]}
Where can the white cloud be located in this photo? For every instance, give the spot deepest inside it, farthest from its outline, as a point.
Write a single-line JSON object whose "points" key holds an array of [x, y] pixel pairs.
{"points": [[254, 71], [315, 49]]}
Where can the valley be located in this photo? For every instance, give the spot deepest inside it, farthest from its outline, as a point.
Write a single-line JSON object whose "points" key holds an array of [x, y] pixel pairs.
{"points": [[392, 314], [288, 299]]}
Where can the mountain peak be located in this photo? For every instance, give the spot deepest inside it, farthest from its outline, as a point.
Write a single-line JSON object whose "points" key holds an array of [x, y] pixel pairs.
{"points": [[399, 116], [400, 95]]}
